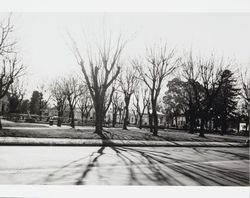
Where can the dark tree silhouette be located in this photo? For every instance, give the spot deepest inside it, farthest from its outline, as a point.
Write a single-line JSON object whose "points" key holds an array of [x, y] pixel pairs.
{"points": [[100, 70], [161, 63], [116, 105], [175, 101], [24, 106], [225, 104], [205, 77], [72, 90], [85, 103], [34, 102], [15, 96], [128, 82], [44, 98], [57, 90], [141, 102]]}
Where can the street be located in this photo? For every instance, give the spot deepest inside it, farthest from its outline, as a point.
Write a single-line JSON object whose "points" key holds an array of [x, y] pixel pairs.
{"points": [[208, 166]]}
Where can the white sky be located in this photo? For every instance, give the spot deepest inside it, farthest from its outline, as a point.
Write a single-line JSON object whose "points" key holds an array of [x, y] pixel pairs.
{"points": [[42, 36]]}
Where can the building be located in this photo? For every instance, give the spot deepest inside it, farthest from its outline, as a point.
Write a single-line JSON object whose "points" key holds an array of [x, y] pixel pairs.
{"points": [[145, 119], [52, 112], [179, 121]]}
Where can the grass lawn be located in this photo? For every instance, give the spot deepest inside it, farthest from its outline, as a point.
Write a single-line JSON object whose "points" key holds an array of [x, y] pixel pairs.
{"points": [[7, 123], [116, 134]]}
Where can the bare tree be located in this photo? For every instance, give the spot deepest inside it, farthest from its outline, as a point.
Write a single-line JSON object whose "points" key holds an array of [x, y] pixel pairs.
{"points": [[141, 103], [160, 64], [205, 77], [7, 45], [135, 115], [73, 90], [10, 70], [10, 66], [191, 87], [15, 96], [245, 82], [100, 70], [57, 90], [85, 103], [128, 82], [44, 98], [115, 106]]}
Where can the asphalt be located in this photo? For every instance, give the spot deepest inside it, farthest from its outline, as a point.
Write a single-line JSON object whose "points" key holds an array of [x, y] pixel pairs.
{"points": [[95, 165], [107, 142]]}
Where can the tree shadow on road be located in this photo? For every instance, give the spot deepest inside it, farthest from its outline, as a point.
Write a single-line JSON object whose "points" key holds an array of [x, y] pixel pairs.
{"points": [[92, 163], [146, 166]]}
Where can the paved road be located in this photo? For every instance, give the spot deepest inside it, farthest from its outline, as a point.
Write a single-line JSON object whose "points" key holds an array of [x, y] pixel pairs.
{"points": [[124, 165]]}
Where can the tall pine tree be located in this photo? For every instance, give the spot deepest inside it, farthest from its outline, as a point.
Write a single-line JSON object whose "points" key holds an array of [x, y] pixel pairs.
{"points": [[226, 101]]}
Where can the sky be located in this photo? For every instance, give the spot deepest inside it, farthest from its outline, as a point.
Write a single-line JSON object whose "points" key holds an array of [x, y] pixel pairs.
{"points": [[43, 37]]}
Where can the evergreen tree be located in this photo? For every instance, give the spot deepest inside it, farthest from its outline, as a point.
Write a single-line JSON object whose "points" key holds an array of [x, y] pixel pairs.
{"points": [[24, 106], [225, 104], [174, 100], [34, 102]]}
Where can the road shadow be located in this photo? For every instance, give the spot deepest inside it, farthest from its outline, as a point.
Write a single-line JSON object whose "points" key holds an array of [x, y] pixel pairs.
{"points": [[146, 166]]}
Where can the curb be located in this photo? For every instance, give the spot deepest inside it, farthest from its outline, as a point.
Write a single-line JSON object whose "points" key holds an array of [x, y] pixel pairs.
{"points": [[14, 141]]}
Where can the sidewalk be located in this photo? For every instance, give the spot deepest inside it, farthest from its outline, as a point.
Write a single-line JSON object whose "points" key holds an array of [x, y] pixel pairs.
{"points": [[107, 142]]}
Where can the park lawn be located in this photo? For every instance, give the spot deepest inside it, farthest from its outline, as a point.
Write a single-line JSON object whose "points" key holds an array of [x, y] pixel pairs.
{"points": [[7, 123], [117, 134]]}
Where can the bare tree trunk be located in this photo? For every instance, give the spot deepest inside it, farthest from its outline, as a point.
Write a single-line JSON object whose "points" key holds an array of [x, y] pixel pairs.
{"points": [[210, 124], [82, 115], [140, 121], [114, 119], [202, 127], [72, 116], [125, 121], [72, 124], [1, 126], [69, 114], [99, 117], [150, 119], [136, 120], [238, 124], [40, 115], [192, 125], [98, 123], [86, 117], [155, 118], [192, 118], [248, 119], [59, 121], [223, 126], [176, 124]]}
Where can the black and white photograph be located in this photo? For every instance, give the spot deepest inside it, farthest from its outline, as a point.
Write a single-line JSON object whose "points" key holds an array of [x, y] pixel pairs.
{"points": [[124, 98]]}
